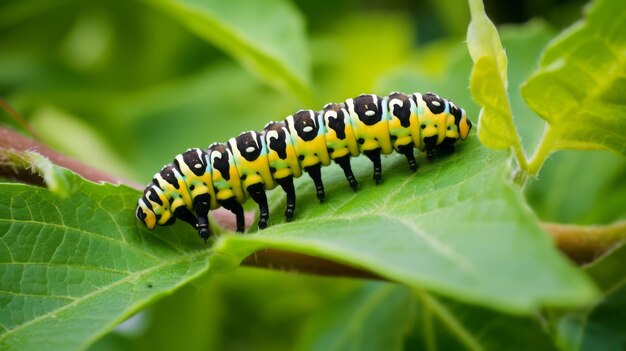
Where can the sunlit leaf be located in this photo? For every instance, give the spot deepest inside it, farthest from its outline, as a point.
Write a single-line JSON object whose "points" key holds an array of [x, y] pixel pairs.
{"points": [[580, 86], [489, 84]]}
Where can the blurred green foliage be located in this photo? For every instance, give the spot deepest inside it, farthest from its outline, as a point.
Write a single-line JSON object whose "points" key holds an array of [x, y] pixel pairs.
{"points": [[127, 85]]}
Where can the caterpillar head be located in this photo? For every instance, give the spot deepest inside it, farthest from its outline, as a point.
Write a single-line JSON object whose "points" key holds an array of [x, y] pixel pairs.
{"points": [[458, 125]]}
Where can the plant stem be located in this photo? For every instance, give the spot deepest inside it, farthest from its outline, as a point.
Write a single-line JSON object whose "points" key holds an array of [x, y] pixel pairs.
{"points": [[519, 154], [544, 149], [585, 243], [12, 140]]}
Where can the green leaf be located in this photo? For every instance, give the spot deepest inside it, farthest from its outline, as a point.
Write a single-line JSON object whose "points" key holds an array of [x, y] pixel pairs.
{"points": [[601, 327], [442, 324], [555, 196], [580, 84], [376, 317], [267, 37], [247, 306], [489, 84], [457, 227], [444, 67], [189, 316], [73, 268]]}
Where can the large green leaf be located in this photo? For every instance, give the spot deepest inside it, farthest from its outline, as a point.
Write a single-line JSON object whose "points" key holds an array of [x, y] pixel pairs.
{"points": [[377, 317], [266, 36], [601, 327], [489, 84], [73, 268], [457, 226], [580, 85]]}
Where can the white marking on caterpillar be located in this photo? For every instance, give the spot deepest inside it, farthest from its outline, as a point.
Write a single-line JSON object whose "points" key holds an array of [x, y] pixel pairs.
{"points": [[307, 129], [329, 114], [370, 113], [215, 155], [198, 165], [436, 103], [250, 149], [395, 102], [272, 134], [199, 152], [314, 119]]}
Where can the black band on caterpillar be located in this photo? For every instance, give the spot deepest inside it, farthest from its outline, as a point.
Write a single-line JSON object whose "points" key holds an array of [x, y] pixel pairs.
{"points": [[227, 174]]}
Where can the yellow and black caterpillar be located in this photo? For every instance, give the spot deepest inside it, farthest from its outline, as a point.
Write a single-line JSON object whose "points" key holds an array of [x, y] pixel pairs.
{"points": [[226, 174]]}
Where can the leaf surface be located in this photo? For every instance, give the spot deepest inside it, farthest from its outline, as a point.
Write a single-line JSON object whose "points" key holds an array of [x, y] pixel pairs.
{"points": [[457, 227], [580, 84], [73, 268]]}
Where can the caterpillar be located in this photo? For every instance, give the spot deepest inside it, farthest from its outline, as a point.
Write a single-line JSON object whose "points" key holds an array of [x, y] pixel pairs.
{"points": [[227, 174]]}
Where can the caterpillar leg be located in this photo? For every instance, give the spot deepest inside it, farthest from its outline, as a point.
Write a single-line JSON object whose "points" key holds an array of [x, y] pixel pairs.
{"points": [[287, 185], [344, 163], [374, 156], [257, 193], [235, 207], [430, 155], [316, 174], [431, 143], [184, 214], [407, 151], [202, 204]]}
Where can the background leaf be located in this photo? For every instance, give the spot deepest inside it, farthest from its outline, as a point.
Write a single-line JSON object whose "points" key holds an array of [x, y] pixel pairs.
{"points": [[267, 37], [442, 324], [376, 317], [489, 84], [247, 306], [556, 195], [580, 85], [75, 267], [600, 327]]}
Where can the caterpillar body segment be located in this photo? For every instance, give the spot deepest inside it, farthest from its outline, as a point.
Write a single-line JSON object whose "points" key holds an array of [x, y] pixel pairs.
{"points": [[308, 134], [227, 174], [281, 153], [341, 141]]}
